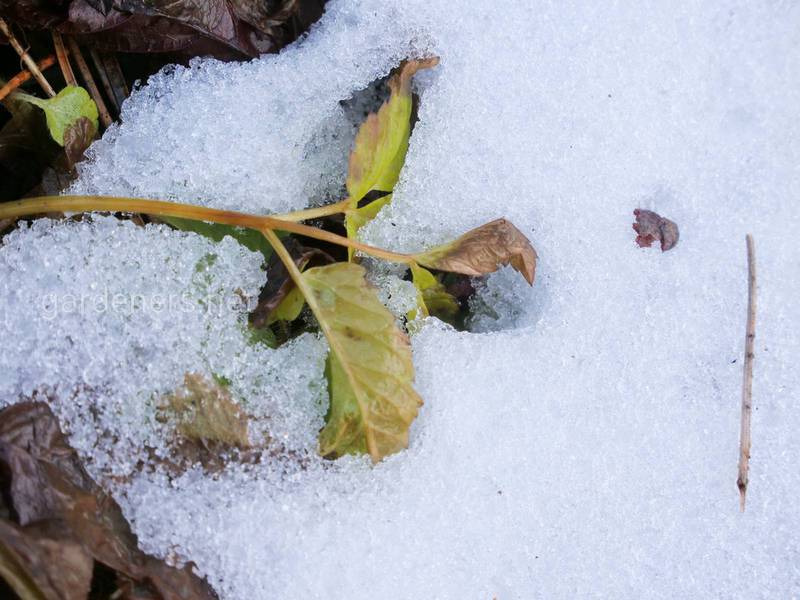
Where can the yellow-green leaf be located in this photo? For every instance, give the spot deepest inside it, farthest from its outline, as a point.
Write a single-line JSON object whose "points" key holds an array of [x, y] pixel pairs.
{"points": [[432, 298], [206, 412], [372, 401], [355, 219], [64, 110], [382, 141], [484, 250], [380, 147], [289, 308]]}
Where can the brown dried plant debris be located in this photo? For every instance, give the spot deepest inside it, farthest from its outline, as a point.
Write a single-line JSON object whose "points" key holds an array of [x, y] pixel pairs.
{"points": [[651, 227], [58, 526]]}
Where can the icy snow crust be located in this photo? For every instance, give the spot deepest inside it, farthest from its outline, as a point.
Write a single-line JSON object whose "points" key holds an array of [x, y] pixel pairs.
{"points": [[107, 317], [587, 445]]}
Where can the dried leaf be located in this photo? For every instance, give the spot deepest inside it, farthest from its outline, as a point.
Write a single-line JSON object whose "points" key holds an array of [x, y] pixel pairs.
{"points": [[77, 138], [60, 516], [206, 412], [38, 565], [225, 29], [264, 14], [484, 250], [380, 147], [64, 110], [372, 401], [651, 227]]}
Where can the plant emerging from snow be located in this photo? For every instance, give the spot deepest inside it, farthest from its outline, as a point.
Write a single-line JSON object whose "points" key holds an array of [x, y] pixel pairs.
{"points": [[369, 367]]}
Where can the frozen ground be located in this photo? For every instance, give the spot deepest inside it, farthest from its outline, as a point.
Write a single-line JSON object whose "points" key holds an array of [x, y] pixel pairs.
{"points": [[586, 445]]}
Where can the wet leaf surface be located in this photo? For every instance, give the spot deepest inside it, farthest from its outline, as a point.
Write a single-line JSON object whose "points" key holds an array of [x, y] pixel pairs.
{"points": [[222, 28], [77, 138]]}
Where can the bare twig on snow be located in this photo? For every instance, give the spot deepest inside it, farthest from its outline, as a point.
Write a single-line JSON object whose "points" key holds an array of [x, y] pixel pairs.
{"points": [[747, 385]]}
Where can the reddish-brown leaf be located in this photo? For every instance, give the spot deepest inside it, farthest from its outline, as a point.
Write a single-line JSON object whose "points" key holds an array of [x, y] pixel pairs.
{"points": [[651, 227]]}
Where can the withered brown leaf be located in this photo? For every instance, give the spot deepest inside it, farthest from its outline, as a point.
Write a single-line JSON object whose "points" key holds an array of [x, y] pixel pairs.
{"points": [[483, 250], [206, 412], [651, 227], [61, 522], [77, 138], [40, 564]]}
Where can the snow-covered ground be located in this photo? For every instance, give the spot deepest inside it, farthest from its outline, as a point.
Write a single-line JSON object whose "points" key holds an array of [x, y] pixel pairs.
{"points": [[586, 444]]}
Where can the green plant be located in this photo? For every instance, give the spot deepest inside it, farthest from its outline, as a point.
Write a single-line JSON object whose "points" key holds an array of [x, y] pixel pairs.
{"points": [[370, 371]]}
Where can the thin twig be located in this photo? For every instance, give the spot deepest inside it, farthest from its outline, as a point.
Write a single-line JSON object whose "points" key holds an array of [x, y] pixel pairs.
{"points": [[24, 76], [105, 117], [29, 63], [747, 385], [63, 59], [115, 76], [101, 71]]}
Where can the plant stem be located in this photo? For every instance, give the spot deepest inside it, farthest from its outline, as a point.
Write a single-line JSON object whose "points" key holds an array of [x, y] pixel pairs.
{"points": [[26, 58], [45, 204], [101, 71], [288, 261], [315, 213], [78, 204], [327, 236], [299, 281]]}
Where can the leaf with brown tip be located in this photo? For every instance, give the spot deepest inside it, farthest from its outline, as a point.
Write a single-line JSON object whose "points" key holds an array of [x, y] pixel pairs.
{"points": [[382, 140], [484, 250], [380, 148]]}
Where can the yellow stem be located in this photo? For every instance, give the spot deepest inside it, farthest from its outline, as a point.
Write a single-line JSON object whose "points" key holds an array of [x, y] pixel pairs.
{"points": [[45, 204], [77, 204], [315, 213]]}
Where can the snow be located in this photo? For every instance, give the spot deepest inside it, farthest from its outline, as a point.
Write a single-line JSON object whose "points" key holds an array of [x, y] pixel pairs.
{"points": [[585, 444], [107, 317]]}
